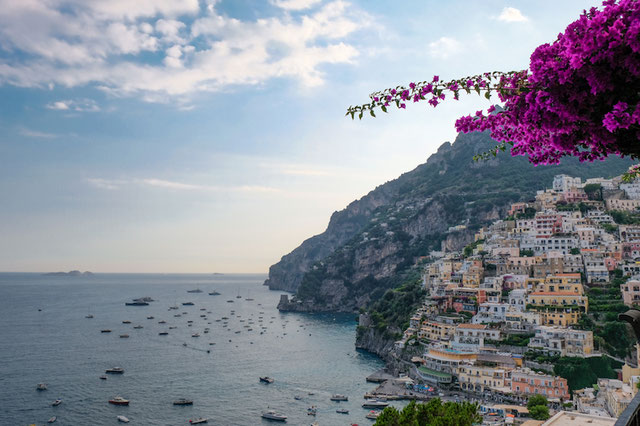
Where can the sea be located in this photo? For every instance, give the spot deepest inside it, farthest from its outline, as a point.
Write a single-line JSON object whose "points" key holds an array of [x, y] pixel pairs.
{"points": [[46, 337]]}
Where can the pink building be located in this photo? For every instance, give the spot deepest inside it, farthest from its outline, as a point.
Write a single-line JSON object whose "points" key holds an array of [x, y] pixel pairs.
{"points": [[631, 292], [574, 195], [528, 382]]}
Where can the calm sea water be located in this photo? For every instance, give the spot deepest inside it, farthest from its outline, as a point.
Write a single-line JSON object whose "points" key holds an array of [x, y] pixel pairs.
{"points": [[304, 353]]}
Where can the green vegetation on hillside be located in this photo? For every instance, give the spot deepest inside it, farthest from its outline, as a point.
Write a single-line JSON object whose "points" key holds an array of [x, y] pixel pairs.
{"points": [[432, 413]]}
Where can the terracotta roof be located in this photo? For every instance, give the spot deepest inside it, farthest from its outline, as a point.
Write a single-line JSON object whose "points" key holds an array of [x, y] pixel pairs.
{"points": [[555, 293], [474, 326]]}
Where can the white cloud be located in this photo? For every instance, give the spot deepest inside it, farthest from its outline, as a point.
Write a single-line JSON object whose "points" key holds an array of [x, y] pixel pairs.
{"points": [[73, 43], [444, 47], [295, 4], [511, 14], [37, 134], [109, 184], [79, 105]]}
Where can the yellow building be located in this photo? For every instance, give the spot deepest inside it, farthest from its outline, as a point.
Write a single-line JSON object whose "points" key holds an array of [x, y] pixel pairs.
{"points": [[477, 378], [436, 331], [559, 299], [561, 318]]}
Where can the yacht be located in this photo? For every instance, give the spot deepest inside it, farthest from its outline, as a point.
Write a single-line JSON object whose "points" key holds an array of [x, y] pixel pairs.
{"points": [[174, 307], [56, 402], [214, 293], [52, 419], [115, 370], [198, 421], [338, 397], [188, 304], [266, 379], [41, 386], [118, 400], [183, 401], [374, 403], [123, 419], [342, 411], [229, 301], [273, 415], [197, 290], [162, 322]]}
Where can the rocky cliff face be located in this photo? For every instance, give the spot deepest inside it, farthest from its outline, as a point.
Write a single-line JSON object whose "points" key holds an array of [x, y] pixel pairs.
{"points": [[369, 245]]}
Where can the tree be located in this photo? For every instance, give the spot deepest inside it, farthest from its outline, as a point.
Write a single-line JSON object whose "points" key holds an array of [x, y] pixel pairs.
{"points": [[432, 413], [580, 96], [593, 191], [537, 400], [539, 412]]}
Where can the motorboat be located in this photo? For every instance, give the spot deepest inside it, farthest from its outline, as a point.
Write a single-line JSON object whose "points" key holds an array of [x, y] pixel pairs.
{"points": [[197, 290], [229, 301], [124, 336], [123, 419], [374, 403], [174, 307], [105, 330], [118, 400], [198, 421], [56, 402], [214, 293], [137, 327], [134, 303], [52, 419], [183, 401], [103, 377], [195, 335], [41, 387], [273, 415], [162, 322], [144, 299], [114, 370], [163, 333], [342, 411], [372, 415], [126, 322], [89, 316], [188, 304], [297, 397], [339, 397], [266, 379], [150, 317]]}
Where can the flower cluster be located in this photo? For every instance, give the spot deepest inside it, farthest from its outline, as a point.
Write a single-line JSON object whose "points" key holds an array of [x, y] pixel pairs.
{"points": [[580, 96]]}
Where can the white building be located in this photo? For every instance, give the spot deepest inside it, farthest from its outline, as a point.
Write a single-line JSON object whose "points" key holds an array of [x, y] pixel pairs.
{"points": [[563, 183], [562, 341]]}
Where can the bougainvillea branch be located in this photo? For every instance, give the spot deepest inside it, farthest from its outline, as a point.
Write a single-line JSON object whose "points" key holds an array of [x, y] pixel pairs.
{"points": [[580, 96]]}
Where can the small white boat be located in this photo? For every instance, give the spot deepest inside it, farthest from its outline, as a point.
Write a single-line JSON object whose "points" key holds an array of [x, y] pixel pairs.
{"points": [[52, 419], [41, 386], [195, 335], [339, 397], [342, 411], [372, 415], [374, 403], [123, 419], [198, 421], [89, 316], [273, 415], [114, 370], [56, 402]]}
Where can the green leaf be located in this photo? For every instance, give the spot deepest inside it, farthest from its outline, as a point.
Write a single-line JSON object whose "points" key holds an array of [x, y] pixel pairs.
{"points": [[487, 95], [384, 108], [360, 115], [371, 112]]}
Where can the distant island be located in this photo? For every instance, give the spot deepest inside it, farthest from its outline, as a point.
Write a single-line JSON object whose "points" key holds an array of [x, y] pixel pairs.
{"points": [[217, 273], [74, 273]]}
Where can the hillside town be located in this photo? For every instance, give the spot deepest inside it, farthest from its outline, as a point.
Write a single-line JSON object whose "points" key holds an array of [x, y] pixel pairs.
{"points": [[534, 298]]}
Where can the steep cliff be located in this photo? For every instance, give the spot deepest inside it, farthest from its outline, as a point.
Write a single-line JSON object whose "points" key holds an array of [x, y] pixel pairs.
{"points": [[370, 245]]}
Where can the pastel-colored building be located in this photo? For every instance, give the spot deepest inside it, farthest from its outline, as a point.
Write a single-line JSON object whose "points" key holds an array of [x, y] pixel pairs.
{"points": [[562, 341], [528, 382], [631, 292]]}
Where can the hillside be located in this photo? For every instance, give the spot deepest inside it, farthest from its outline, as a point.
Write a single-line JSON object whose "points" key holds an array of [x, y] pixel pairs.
{"points": [[370, 245]]}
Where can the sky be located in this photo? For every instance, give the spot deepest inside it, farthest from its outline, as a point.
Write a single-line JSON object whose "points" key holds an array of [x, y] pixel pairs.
{"points": [[209, 136]]}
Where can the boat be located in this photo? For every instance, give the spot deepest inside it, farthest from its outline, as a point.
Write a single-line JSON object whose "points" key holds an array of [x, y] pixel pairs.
{"points": [[238, 296], [188, 304], [297, 397], [273, 415], [56, 402], [342, 411], [229, 301], [124, 336], [162, 322], [150, 317], [372, 415], [163, 333], [41, 387], [197, 290], [183, 401], [144, 299], [174, 307], [52, 419], [374, 403], [118, 400], [198, 421], [214, 293], [338, 397], [312, 411], [137, 327], [106, 330], [195, 335], [123, 419], [136, 303], [89, 316], [266, 379], [114, 370], [103, 377], [126, 322]]}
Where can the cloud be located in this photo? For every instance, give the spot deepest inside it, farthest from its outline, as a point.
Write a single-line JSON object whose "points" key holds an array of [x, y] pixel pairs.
{"points": [[37, 134], [80, 105], [161, 183], [444, 47], [106, 44], [106, 183], [294, 4], [511, 14]]}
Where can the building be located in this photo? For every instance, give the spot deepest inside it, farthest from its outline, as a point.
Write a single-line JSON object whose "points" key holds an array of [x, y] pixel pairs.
{"points": [[562, 341], [445, 360], [558, 243], [625, 205], [522, 320], [490, 312], [563, 183], [480, 378], [528, 382], [436, 331], [571, 418], [631, 292]]}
